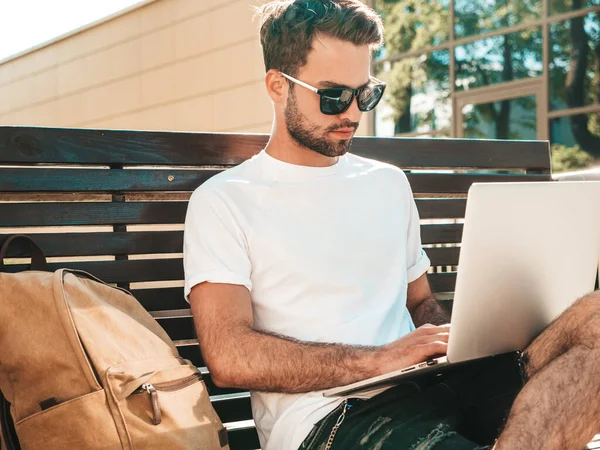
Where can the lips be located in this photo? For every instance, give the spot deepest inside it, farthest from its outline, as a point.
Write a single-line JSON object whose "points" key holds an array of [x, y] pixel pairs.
{"points": [[344, 131]]}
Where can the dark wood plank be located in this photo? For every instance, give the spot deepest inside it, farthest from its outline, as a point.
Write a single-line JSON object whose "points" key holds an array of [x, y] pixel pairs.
{"points": [[150, 242], [455, 153], [233, 409], [120, 271], [132, 213], [101, 180], [116, 147], [91, 213], [442, 233], [117, 180], [443, 256], [110, 147], [178, 328], [459, 183], [133, 243], [441, 208], [109, 243], [157, 299], [442, 282], [243, 439], [131, 271], [192, 353]]}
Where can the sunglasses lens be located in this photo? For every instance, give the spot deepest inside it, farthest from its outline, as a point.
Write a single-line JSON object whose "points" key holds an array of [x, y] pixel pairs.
{"points": [[370, 96], [335, 101]]}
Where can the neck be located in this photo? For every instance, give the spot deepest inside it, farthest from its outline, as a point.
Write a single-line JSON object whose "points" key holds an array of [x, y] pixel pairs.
{"points": [[284, 148]]}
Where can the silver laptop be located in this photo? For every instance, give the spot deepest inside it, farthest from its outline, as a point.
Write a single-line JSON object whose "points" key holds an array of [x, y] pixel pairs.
{"points": [[528, 251]]}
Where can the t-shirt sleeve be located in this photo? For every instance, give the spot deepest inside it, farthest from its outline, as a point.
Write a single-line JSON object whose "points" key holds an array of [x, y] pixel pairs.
{"points": [[214, 245], [417, 261]]}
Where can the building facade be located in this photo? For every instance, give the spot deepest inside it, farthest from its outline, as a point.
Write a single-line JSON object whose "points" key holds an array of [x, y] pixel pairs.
{"points": [[167, 64], [192, 65]]}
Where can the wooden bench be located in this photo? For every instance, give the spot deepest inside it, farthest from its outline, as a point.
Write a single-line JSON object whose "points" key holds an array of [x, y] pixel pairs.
{"points": [[113, 203]]}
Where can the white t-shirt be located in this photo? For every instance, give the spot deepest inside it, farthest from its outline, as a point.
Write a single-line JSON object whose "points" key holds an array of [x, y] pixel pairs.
{"points": [[326, 253]]}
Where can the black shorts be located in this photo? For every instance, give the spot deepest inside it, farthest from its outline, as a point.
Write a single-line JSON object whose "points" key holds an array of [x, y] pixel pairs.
{"points": [[461, 408]]}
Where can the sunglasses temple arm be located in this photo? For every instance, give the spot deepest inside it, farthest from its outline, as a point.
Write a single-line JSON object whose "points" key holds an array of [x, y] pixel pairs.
{"points": [[378, 80], [301, 83]]}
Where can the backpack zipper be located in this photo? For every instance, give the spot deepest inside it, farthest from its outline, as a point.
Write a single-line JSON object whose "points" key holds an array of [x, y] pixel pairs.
{"points": [[169, 386]]}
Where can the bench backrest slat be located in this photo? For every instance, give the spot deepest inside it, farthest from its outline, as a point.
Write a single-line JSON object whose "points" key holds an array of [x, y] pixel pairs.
{"points": [[149, 180], [29, 145], [149, 242]]}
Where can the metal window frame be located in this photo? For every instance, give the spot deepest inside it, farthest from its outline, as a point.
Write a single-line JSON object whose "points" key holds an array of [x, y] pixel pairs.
{"points": [[531, 87], [539, 85]]}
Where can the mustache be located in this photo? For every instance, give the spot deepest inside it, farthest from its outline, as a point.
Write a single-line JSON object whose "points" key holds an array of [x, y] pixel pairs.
{"points": [[347, 124]]}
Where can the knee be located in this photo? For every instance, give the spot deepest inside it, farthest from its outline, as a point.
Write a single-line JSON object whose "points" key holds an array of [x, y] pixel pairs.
{"points": [[585, 319], [587, 307]]}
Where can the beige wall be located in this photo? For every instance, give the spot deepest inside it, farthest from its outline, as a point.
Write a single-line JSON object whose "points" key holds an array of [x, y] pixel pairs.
{"points": [[168, 65], [172, 64]]}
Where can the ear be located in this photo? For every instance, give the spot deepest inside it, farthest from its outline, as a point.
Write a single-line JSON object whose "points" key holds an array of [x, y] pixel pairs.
{"points": [[277, 86]]}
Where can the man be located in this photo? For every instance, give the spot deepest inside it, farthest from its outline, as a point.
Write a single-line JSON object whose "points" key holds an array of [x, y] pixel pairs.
{"points": [[304, 271]]}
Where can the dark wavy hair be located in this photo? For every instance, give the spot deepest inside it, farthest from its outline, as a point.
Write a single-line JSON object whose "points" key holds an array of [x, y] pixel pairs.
{"points": [[287, 28]]}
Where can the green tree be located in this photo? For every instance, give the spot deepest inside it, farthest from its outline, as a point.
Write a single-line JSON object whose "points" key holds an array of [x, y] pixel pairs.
{"points": [[575, 73], [411, 25], [565, 158]]}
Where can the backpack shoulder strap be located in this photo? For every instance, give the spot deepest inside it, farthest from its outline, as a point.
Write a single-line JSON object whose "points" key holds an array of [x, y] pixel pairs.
{"points": [[8, 435], [38, 259]]}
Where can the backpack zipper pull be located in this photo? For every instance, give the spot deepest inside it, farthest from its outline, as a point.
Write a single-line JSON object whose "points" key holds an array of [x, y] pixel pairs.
{"points": [[156, 413]]}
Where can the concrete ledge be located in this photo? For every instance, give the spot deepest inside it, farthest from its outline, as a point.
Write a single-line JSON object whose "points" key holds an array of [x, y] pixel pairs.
{"points": [[583, 175]]}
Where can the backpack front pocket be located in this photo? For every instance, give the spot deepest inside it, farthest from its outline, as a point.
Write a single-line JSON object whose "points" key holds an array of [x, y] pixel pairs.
{"points": [[164, 404], [67, 426]]}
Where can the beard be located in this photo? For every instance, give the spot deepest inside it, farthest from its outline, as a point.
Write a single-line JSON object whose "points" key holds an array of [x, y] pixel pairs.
{"points": [[310, 136]]}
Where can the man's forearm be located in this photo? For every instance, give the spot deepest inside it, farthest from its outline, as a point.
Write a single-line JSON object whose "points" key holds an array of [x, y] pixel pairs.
{"points": [[262, 361], [429, 311]]}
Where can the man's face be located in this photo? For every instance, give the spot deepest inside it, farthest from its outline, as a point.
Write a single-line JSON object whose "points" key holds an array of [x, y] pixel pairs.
{"points": [[330, 63]]}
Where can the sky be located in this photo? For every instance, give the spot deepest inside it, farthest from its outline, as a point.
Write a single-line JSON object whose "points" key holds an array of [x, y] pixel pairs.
{"points": [[27, 23]]}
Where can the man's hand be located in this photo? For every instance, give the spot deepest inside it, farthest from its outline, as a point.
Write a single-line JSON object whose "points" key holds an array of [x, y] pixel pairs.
{"points": [[424, 343]]}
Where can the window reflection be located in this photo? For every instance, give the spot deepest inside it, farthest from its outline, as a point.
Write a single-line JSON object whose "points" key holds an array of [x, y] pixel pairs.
{"points": [[506, 119], [481, 16], [581, 130], [499, 59], [417, 98], [575, 62], [561, 6], [412, 24]]}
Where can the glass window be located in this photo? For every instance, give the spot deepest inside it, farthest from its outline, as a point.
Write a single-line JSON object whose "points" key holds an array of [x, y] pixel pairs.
{"points": [[506, 119], [575, 62], [499, 59], [481, 16], [581, 130], [412, 25], [561, 6], [417, 98]]}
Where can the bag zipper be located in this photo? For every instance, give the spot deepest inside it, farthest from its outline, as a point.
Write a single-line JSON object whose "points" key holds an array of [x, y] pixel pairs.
{"points": [[169, 386]]}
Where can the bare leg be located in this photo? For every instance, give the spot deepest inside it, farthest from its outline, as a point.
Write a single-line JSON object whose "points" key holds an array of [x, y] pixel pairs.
{"points": [[559, 407]]}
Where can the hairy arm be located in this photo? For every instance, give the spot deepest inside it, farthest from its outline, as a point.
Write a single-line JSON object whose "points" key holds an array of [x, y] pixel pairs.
{"points": [[423, 307], [239, 355]]}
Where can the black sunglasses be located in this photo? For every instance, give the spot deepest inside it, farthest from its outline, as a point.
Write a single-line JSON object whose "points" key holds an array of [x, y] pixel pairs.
{"points": [[337, 100]]}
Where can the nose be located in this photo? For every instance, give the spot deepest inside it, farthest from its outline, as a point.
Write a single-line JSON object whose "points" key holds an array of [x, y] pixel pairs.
{"points": [[353, 114]]}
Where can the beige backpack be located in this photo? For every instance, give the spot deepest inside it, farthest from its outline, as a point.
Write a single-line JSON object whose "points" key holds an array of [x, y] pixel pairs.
{"points": [[84, 366]]}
